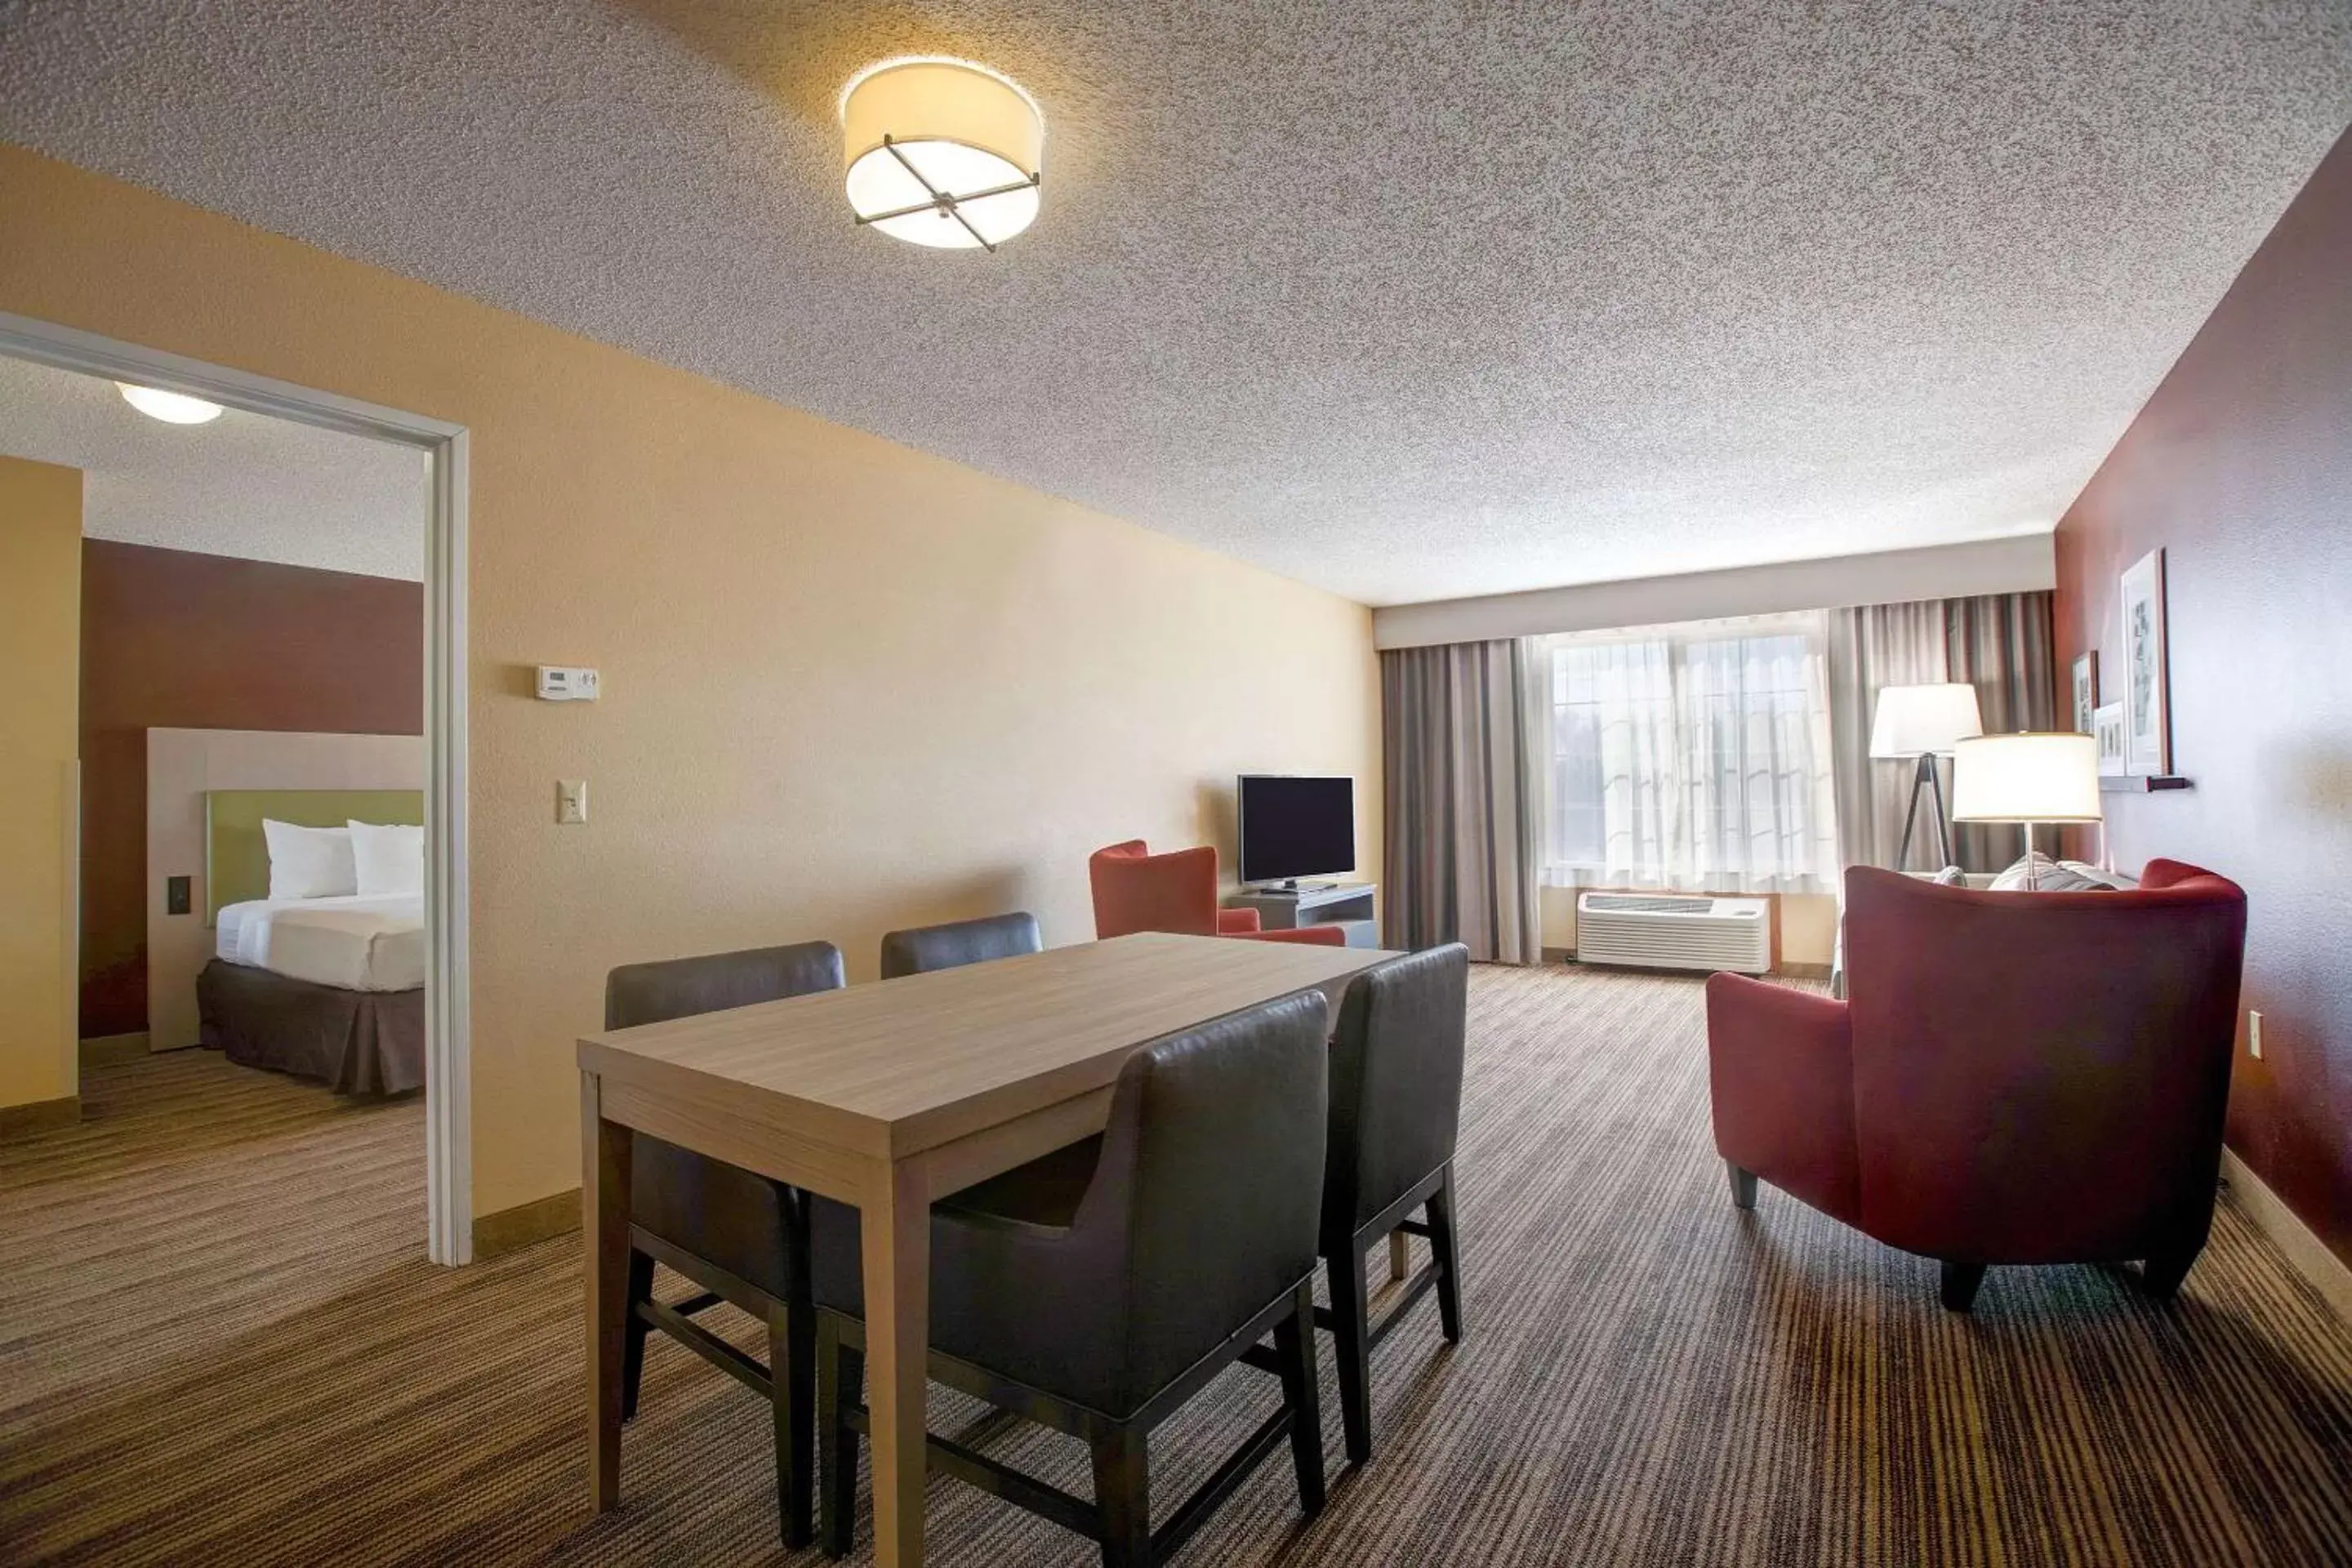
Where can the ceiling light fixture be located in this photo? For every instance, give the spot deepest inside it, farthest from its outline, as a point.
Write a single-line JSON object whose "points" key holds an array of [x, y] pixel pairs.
{"points": [[942, 152], [171, 407]]}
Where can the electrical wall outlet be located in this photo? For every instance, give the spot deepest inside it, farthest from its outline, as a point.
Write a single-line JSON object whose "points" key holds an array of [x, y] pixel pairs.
{"points": [[177, 896], [2254, 1034], [571, 801]]}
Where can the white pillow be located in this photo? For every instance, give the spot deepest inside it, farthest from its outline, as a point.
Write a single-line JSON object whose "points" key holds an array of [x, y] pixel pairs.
{"points": [[389, 860], [308, 862]]}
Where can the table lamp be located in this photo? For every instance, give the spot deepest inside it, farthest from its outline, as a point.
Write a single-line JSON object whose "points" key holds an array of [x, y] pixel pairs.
{"points": [[2027, 778], [1920, 724]]}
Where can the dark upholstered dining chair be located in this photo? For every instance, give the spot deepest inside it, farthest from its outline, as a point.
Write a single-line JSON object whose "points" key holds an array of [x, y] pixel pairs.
{"points": [[1098, 1290], [922, 948], [1396, 1107], [742, 1238]]}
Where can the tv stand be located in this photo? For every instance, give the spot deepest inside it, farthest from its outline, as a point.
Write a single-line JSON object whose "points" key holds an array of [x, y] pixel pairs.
{"points": [[1353, 906]]}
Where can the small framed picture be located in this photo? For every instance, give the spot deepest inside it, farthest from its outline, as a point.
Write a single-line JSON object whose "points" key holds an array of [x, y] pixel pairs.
{"points": [[2147, 701], [2086, 692], [2107, 724]]}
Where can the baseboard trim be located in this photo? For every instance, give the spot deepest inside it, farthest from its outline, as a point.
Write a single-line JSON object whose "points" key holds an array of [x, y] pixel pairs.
{"points": [[40, 1116], [525, 1223], [107, 1051], [1805, 971], [2328, 1274]]}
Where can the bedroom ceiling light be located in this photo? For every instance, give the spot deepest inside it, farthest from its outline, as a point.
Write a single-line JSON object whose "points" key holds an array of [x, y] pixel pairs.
{"points": [[942, 152], [171, 407]]}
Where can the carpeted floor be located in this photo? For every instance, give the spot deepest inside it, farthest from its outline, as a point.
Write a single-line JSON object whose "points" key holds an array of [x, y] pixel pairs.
{"points": [[219, 1344]]}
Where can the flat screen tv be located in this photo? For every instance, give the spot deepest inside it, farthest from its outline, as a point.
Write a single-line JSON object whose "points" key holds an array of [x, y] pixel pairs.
{"points": [[1293, 828]]}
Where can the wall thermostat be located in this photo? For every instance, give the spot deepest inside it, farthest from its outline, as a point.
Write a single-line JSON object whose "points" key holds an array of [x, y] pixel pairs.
{"points": [[566, 683]]}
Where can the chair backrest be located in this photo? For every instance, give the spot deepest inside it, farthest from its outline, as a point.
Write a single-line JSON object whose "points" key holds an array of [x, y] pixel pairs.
{"points": [[1202, 1207], [2041, 1075], [721, 1212], [680, 987], [1136, 891], [1396, 1084], [921, 949]]}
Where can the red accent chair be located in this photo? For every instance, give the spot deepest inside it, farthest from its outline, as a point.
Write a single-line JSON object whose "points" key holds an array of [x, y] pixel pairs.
{"points": [[2013, 1077], [1136, 891]]}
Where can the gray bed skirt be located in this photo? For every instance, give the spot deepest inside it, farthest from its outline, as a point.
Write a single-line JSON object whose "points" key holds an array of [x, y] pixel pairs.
{"points": [[355, 1042]]}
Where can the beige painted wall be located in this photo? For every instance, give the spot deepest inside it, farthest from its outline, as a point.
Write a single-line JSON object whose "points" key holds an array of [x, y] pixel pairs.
{"points": [[40, 730], [1808, 924], [846, 686]]}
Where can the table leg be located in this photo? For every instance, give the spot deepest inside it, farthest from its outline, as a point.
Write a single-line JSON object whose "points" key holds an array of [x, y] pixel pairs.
{"points": [[1400, 1254], [606, 1149], [897, 1227]]}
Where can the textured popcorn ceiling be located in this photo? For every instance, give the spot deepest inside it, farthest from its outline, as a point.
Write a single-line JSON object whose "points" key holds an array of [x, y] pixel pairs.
{"points": [[1407, 299], [245, 484]]}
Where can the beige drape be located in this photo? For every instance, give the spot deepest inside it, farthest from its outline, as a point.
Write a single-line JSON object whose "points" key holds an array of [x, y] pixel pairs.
{"points": [[1999, 643], [1460, 817]]}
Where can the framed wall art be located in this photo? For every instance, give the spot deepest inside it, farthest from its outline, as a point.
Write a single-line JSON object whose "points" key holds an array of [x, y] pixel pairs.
{"points": [[2147, 701], [2107, 724]]}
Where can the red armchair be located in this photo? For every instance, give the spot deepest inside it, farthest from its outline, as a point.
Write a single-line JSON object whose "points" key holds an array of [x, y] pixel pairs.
{"points": [[2013, 1077], [1136, 891]]}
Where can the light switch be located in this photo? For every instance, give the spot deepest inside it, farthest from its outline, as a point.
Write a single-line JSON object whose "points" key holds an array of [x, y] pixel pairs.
{"points": [[2254, 1034], [571, 801]]}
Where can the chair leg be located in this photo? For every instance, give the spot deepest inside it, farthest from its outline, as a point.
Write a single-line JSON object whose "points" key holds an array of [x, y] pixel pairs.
{"points": [[1743, 1185], [840, 1372], [1294, 1347], [634, 1329], [1959, 1286], [2161, 1275], [791, 1397], [1445, 1251], [1122, 1456], [1351, 1340]]}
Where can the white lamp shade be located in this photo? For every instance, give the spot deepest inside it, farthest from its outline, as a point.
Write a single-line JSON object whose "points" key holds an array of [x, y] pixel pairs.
{"points": [[171, 407], [965, 130], [1914, 720], [2026, 778]]}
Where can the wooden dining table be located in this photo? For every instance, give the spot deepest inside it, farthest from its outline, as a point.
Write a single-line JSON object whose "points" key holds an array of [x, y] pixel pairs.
{"points": [[887, 1097]]}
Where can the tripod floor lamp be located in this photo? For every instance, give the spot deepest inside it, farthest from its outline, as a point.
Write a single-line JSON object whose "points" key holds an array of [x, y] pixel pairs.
{"points": [[1918, 724]]}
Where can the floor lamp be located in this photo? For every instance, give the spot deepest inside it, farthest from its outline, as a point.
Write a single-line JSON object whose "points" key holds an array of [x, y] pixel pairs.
{"points": [[1918, 724], [2029, 779]]}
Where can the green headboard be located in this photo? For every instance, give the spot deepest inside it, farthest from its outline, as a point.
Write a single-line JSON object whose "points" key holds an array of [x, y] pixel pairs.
{"points": [[237, 855]]}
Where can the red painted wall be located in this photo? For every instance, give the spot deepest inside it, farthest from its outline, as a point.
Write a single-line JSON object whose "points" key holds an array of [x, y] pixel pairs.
{"points": [[2240, 469], [172, 640]]}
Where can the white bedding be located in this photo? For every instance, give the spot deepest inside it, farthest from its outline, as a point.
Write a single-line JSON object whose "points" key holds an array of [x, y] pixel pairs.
{"points": [[355, 942]]}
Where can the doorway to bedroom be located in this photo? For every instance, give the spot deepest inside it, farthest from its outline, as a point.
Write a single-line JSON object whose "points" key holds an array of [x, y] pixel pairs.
{"points": [[232, 1070]]}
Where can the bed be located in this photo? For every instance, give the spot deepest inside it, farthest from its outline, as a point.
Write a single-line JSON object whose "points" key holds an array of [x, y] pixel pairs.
{"points": [[330, 988]]}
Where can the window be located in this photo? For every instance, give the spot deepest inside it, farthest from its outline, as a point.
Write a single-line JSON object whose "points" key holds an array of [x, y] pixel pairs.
{"points": [[1694, 756]]}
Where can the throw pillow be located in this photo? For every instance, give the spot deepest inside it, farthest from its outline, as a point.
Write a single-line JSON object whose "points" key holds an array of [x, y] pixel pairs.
{"points": [[388, 861], [2053, 876], [308, 862]]}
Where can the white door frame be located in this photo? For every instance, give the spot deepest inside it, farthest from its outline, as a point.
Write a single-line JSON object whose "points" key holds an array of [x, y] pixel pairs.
{"points": [[448, 1036]]}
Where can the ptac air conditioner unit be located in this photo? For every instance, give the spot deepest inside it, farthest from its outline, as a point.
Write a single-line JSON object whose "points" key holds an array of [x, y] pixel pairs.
{"points": [[1668, 931]]}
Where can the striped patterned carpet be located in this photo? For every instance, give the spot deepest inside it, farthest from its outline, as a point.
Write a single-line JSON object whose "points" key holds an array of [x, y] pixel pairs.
{"points": [[219, 1344]]}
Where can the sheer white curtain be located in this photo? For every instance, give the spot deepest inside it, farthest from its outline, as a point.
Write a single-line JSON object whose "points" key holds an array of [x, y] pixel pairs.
{"points": [[1693, 756]]}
